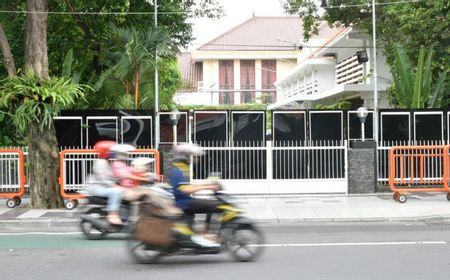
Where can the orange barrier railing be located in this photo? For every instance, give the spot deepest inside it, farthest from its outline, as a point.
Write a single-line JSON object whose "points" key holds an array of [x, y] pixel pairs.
{"points": [[418, 169], [76, 165], [14, 182]]}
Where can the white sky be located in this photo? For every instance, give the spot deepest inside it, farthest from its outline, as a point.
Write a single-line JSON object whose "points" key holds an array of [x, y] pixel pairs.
{"points": [[236, 12]]}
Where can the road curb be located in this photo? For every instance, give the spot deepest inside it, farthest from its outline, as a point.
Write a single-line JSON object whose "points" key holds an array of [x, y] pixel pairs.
{"points": [[73, 223]]}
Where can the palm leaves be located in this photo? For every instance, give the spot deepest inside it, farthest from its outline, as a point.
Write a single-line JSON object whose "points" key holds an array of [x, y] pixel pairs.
{"points": [[133, 56], [31, 99], [413, 87]]}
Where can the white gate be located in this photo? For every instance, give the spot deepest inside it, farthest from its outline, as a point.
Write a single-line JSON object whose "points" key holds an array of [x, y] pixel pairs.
{"points": [[300, 168]]}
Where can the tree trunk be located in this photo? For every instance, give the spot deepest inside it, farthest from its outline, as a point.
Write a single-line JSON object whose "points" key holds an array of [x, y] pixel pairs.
{"points": [[44, 170], [8, 59], [43, 148], [36, 38]]}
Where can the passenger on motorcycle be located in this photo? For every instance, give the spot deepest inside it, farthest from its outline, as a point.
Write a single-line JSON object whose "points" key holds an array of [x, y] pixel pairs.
{"points": [[133, 180], [102, 183], [179, 179]]}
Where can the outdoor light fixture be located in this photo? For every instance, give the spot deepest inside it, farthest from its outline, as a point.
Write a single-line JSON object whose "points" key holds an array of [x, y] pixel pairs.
{"points": [[362, 56], [362, 114], [175, 117], [324, 4]]}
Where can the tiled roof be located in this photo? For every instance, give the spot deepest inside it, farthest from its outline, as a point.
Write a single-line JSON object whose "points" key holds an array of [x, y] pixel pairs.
{"points": [[189, 72], [325, 31], [185, 64], [259, 34]]}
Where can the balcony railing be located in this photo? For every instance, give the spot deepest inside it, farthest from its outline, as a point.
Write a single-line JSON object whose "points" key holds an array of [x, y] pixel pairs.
{"points": [[349, 71], [227, 97], [304, 89], [243, 96]]}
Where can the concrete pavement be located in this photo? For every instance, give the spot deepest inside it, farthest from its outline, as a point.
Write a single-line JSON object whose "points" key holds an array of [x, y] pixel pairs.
{"points": [[268, 209]]}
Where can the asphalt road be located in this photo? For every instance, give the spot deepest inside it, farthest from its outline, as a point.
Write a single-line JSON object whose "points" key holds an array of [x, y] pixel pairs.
{"points": [[354, 251]]}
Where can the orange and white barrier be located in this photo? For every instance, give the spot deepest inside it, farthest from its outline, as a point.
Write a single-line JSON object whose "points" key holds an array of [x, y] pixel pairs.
{"points": [[12, 176], [419, 169]]}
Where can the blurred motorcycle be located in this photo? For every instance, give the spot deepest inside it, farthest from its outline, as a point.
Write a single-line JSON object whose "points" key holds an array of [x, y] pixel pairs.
{"points": [[154, 236]]}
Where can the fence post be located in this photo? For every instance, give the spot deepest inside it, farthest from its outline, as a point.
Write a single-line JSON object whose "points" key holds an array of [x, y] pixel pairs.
{"points": [[362, 177], [269, 163]]}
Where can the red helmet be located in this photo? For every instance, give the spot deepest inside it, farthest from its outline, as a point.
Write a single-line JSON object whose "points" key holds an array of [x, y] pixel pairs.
{"points": [[103, 148]]}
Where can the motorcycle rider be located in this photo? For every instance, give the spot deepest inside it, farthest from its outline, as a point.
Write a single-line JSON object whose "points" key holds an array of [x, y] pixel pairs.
{"points": [[131, 179], [179, 179], [102, 183]]}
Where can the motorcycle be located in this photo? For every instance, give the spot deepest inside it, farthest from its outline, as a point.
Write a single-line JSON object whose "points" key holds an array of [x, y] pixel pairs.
{"points": [[238, 235], [93, 222]]}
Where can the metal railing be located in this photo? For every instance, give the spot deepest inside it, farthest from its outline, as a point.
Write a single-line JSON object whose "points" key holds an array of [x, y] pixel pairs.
{"points": [[418, 169], [77, 164], [241, 96], [11, 171], [304, 89], [289, 160], [349, 71], [383, 157]]}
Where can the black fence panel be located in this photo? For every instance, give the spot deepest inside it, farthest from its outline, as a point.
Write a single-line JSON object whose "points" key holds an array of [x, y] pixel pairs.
{"points": [[248, 126], [211, 128], [326, 125], [166, 128], [288, 127], [69, 131]]}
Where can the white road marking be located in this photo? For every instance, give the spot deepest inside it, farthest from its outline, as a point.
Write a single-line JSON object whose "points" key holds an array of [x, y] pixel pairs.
{"points": [[31, 214], [381, 243], [354, 244], [37, 233], [4, 211]]}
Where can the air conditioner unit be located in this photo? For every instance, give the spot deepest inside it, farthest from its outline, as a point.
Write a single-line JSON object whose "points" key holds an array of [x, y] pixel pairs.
{"points": [[200, 86]]}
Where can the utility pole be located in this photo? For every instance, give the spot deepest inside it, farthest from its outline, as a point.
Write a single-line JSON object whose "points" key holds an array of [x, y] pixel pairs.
{"points": [[156, 82], [375, 75]]}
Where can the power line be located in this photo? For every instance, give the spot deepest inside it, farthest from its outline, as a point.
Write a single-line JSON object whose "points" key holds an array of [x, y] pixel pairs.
{"points": [[342, 6], [183, 12], [301, 46], [91, 13]]}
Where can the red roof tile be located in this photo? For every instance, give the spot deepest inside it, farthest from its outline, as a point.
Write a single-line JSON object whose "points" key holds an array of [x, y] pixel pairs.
{"points": [[190, 72], [259, 34]]}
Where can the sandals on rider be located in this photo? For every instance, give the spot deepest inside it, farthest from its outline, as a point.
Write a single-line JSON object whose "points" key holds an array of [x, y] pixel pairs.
{"points": [[114, 220]]}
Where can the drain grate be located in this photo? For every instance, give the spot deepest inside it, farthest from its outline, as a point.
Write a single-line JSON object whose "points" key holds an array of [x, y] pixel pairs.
{"points": [[438, 222], [294, 201]]}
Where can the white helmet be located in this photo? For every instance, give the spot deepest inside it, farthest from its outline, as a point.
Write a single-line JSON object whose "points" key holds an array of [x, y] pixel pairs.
{"points": [[183, 151], [141, 163], [120, 151]]}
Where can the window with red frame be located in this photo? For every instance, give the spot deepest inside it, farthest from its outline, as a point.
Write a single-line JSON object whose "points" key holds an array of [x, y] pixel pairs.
{"points": [[268, 78], [226, 81], [247, 81]]}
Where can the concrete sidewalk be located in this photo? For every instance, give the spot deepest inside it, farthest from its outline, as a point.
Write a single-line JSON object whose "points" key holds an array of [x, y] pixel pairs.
{"points": [[268, 209]]}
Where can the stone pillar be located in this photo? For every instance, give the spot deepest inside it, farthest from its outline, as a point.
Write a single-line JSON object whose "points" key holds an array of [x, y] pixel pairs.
{"points": [[362, 165], [166, 159]]}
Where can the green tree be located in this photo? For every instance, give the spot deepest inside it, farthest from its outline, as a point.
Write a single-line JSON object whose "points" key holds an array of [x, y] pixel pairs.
{"points": [[32, 100], [412, 85], [84, 26], [423, 23], [132, 55]]}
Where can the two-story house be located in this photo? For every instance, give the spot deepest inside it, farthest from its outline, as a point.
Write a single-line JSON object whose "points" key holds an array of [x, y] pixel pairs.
{"points": [[336, 64], [241, 65]]}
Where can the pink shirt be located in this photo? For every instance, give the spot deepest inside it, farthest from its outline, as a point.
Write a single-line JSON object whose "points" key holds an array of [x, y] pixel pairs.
{"points": [[121, 170]]}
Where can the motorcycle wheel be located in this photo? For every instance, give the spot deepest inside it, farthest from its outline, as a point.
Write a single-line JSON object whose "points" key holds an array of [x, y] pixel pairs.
{"points": [[89, 230], [142, 252], [245, 243]]}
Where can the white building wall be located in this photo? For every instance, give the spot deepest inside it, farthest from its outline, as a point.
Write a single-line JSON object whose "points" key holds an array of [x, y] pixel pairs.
{"points": [[209, 95], [237, 80]]}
